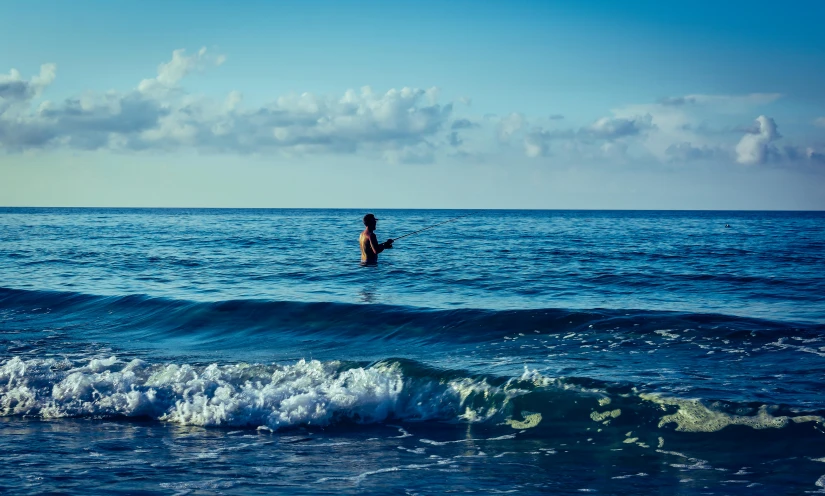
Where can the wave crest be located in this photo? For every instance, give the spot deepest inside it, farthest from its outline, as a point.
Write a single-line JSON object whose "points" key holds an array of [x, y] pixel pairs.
{"points": [[270, 396]]}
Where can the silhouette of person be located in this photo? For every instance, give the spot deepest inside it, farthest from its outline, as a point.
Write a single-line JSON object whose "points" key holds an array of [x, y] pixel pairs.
{"points": [[370, 247]]}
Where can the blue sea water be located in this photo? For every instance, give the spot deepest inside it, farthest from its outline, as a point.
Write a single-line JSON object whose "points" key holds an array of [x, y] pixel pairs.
{"points": [[155, 351]]}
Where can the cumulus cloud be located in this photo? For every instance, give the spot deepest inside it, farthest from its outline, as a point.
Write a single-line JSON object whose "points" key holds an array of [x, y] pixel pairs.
{"points": [[398, 124], [815, 156], [723, 100], [687, 152], [537, 143], [16, 92], [616, 150], [406, 125], [756, 148], [233, 100], [463, 124], [171, 72], [89, 122], [598, 139], [687, 128], [707, 123], [307, 123], [613, 128], [793, 154], [509, 125], [754, 128]]}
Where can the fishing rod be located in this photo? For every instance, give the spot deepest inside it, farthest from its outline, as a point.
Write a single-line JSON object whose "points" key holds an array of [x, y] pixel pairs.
{"points": [[432, 226]]}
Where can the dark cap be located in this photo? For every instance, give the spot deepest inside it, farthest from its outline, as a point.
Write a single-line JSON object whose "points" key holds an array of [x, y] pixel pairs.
{"points": [[369, 219]]}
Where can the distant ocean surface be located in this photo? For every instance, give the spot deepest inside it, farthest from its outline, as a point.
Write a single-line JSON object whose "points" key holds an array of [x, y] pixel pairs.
{"points": [[204, 351]]}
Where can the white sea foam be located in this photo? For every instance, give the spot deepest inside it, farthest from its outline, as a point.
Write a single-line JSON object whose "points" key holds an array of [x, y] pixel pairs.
{"points": [[781, 344], [467, 440], [627, 476], [694, 416], [264, 396]]}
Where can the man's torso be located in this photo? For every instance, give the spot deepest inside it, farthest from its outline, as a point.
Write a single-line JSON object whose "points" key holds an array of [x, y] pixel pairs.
{"points": [[367, 253]]}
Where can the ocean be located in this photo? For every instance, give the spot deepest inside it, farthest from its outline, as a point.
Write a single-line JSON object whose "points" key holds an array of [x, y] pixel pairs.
{"points": [[210, 351]]}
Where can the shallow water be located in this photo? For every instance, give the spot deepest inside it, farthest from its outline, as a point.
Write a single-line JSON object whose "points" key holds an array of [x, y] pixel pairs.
{"points": [[243, 351]]}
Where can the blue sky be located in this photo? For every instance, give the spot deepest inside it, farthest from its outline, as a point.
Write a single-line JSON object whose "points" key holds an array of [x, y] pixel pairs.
{"points": [[591, 104]]}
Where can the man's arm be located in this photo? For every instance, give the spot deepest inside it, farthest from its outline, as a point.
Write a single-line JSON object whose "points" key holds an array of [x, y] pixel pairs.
{"points": [[379, 247]]}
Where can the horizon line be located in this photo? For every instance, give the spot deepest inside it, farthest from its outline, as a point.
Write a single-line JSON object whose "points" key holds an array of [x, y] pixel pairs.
{"points": [[418, 208]]}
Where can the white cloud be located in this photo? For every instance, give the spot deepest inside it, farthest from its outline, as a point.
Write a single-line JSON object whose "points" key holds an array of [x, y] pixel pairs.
{"points": [[686, 152], [755, 148], [613, 128], [758, 147], [815, 156], [14, 87], [679, 129], [233, 100], [171, 72], [616, 150], [601, 139], [406, 125], [536, 144], [367, 121], [509, 125], [432, 95], [699, 120], [819, 122], [463, 124], [397, 124], [16, 92], [721, 101]]}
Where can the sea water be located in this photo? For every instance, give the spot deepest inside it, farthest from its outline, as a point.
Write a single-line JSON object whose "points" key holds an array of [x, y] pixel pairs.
{"points": [[249, 352]]}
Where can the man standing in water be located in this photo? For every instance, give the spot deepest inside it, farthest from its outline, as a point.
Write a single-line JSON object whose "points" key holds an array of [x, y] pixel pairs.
{"points": [[370, 247]]}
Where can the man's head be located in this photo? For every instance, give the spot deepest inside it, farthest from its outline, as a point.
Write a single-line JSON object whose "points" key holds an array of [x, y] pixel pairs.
{"points": [[370, 221]]}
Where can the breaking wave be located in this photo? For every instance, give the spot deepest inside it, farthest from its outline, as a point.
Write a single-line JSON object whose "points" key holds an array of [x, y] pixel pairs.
{"points": [[314, 393]]}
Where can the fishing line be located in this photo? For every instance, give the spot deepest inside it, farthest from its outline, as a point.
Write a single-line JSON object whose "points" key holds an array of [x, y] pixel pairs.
{"points": [[432, 226]]}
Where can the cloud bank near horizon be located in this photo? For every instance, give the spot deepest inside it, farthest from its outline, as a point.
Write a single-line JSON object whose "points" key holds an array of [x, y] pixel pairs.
{"points": [[407, 125]]}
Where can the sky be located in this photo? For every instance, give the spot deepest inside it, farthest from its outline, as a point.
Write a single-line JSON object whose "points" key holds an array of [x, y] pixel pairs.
{"points": [[590, 104]]}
